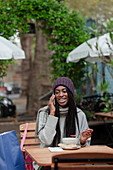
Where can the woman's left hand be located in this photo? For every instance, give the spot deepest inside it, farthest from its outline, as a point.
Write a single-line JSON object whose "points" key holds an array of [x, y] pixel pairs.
{"points": [[85, 135]]}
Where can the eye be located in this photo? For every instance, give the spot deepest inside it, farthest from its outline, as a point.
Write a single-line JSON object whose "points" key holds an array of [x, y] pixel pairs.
{"points": [[56, 92], [64, 91]]}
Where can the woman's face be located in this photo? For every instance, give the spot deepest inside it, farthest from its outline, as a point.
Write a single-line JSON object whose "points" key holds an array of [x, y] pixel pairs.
{"points": [[61, 95]]}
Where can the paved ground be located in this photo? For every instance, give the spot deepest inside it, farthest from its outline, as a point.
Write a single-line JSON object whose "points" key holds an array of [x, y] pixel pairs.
{"points": [[20, 103]]}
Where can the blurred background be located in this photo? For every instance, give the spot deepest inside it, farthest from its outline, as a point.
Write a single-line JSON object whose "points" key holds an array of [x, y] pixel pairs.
{"points": [[48, 31]]}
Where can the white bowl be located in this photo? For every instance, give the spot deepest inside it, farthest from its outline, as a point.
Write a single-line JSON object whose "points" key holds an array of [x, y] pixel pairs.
{"points": [[69, 140]]}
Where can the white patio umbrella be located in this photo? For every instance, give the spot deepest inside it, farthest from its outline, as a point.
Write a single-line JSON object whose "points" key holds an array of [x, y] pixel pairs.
{"points": [[91, 54], [9, 50]]}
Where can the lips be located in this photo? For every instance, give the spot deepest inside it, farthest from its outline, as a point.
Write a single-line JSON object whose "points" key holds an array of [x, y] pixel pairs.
{"points": [[62, 100]]}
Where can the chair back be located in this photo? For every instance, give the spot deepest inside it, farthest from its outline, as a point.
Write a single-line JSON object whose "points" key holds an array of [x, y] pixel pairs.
{"points": [[27, 134], [72, 161], [28, 139]]}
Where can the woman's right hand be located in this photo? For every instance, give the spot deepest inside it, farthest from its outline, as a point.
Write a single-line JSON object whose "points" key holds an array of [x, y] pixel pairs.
{"points": [[85, 135], [52, 105]]}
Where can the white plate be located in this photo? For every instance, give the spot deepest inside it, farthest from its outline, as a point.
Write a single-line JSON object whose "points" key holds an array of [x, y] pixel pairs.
{"points": [[66, 146]]}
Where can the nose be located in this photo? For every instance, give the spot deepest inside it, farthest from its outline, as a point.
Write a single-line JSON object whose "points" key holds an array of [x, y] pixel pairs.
{"points": [[61, 93]]}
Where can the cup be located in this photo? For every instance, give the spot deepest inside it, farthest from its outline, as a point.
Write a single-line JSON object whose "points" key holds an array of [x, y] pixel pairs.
{"points": [[69, 140]]}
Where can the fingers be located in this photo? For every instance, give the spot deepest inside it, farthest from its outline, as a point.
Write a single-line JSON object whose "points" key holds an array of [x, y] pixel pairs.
{"points": [[52, 105], [52, 99], [90, 130], [87, 133]]}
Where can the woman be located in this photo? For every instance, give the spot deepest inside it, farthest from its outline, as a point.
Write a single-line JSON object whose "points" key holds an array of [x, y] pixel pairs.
{"points": [[61, 118]]}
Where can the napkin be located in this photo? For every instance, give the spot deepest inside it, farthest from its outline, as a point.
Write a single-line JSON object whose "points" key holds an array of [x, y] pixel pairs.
{"points": [[55, 149]]}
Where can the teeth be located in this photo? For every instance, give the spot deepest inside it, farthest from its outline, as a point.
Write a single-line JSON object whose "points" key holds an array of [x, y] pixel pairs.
{"points": [[62, 100]]}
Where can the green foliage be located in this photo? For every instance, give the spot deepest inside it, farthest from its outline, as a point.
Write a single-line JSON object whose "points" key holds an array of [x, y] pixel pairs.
{"points": [[102, 87], [4, 67], [89, 114], [65, 31], [99, 29], [107, 101], [8, 27]]}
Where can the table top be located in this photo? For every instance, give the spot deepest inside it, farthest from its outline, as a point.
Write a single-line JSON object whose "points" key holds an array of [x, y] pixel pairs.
{"points": [[108, 115], [43, 157]]}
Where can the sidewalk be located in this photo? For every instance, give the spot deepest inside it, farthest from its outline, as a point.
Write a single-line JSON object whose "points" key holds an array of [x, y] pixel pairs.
{"points": [[20, 105]]}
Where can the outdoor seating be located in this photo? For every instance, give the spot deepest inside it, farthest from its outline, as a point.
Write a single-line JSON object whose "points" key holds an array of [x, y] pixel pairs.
{"points": [[28, 139], [69, 161]]}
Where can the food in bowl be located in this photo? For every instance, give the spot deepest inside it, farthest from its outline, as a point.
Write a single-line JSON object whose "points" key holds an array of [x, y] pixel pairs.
{"points": [[69, 140]]}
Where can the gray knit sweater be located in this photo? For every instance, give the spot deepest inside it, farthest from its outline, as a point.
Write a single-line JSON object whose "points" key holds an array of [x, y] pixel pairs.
{"points": [[46, 126]]}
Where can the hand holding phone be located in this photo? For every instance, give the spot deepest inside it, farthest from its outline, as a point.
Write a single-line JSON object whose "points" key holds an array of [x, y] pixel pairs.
{"points": [[52, 105], [53, 101]]}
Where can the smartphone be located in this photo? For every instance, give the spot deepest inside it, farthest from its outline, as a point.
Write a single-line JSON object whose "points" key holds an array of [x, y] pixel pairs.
{"points": [[53, 101]]}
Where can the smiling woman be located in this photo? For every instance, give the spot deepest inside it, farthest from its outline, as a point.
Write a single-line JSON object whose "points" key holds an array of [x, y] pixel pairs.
{"points": [[61, 118], [61, 95]]}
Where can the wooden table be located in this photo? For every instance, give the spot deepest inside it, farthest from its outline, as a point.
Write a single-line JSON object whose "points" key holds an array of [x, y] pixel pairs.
{"points": [[107, 115], [43, 157]]}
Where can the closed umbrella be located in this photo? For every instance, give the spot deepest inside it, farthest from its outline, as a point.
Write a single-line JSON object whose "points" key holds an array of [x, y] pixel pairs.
{"points": [[93, 50], [9, 50]]}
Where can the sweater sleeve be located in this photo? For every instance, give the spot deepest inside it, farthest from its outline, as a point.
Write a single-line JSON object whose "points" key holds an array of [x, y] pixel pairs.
{"points": [[46, 127], [83, 124]]}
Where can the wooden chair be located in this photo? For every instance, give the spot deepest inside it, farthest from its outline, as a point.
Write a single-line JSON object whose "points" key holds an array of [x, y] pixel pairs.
{"points": [[31, 139], [71, 162], [28, 139]]}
